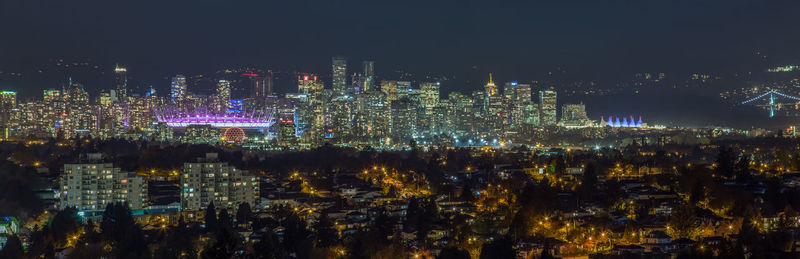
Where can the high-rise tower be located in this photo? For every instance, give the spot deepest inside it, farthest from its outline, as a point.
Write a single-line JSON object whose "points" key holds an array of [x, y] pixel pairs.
{"points": [[339, 69], [177, 87], [491, 88], [121, 82], [547, 107], [369, 76]]}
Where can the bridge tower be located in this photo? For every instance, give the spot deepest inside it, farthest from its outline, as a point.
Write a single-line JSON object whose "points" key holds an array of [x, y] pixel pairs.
{"points": [[771, 104]]}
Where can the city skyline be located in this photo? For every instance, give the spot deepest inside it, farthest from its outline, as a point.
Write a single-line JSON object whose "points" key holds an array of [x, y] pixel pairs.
{"points": [[355, 129]]}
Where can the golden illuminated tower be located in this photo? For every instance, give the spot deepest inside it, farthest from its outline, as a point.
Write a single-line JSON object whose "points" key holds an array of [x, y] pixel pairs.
{"points": [[491, 88]]}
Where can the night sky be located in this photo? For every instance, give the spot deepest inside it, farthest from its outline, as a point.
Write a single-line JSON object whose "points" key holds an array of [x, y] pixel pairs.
{"points": [[517, 40]]}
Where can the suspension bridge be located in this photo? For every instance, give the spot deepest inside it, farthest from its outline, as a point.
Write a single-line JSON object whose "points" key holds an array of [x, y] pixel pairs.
{"points": [[770, 96]]}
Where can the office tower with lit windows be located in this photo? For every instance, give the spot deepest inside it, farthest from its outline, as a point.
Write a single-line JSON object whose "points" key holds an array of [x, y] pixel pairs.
{"points": [[547, 108], [368, 78], [574, 115], [121, 82], [516, 97], [177, 88], [91, 184], [403, 89], [339, 72], [389, 89], [404, 118], [340, 120], [8, 104], [461, 117], [223, 97], [211, 180], [78, 117], [261, 85], [139, 112], [429, 96], [308, 84]]}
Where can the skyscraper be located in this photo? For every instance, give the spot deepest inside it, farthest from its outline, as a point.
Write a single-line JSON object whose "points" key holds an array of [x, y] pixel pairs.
{"points": [[121, 82], [491, 88], [369, 76], [574, 115], [223, 95], [261, 85], [547, 107], [8, 102], [339, 67], [429, 96], [178, 88], [308, 84], [224, 90]]}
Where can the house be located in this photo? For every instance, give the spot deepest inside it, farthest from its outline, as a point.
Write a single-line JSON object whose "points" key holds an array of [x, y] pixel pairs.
{"points": [[657, 241]]}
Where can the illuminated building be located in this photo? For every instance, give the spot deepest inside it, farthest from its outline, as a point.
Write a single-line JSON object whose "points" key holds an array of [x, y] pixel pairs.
{"points": [[339, 69], [403, 89], [389, 88], [8, 103], [404, 120], [340, 117], [200, 133], [261, 85], [91, 184], [429, 96], [522, 104], [547, 108], [121, 82], [625, 123], [210, 180], [159, 132], [178, 88], [308, 84], [223, 95], [233, 134], [372, 117], [491, 88], [531, 114], [177, 117], [461, 117], [78, 117], [368, 82], [574, 115], [287, 133], [139, 112]]}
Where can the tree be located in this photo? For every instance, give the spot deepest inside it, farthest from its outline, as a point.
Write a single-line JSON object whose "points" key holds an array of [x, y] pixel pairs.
{"points": [[589, 182], [295, 234], [725, 161], [211, 217], [120, 229], [383, 226], [466, 193], [64, 224], [224, 220], [269, 247], [243, 214], [326, 234], [499, 248], [13, 248], [697, 195], [743, 169], [226, 242], [453, 253], [179, 241], [682, 223]]}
